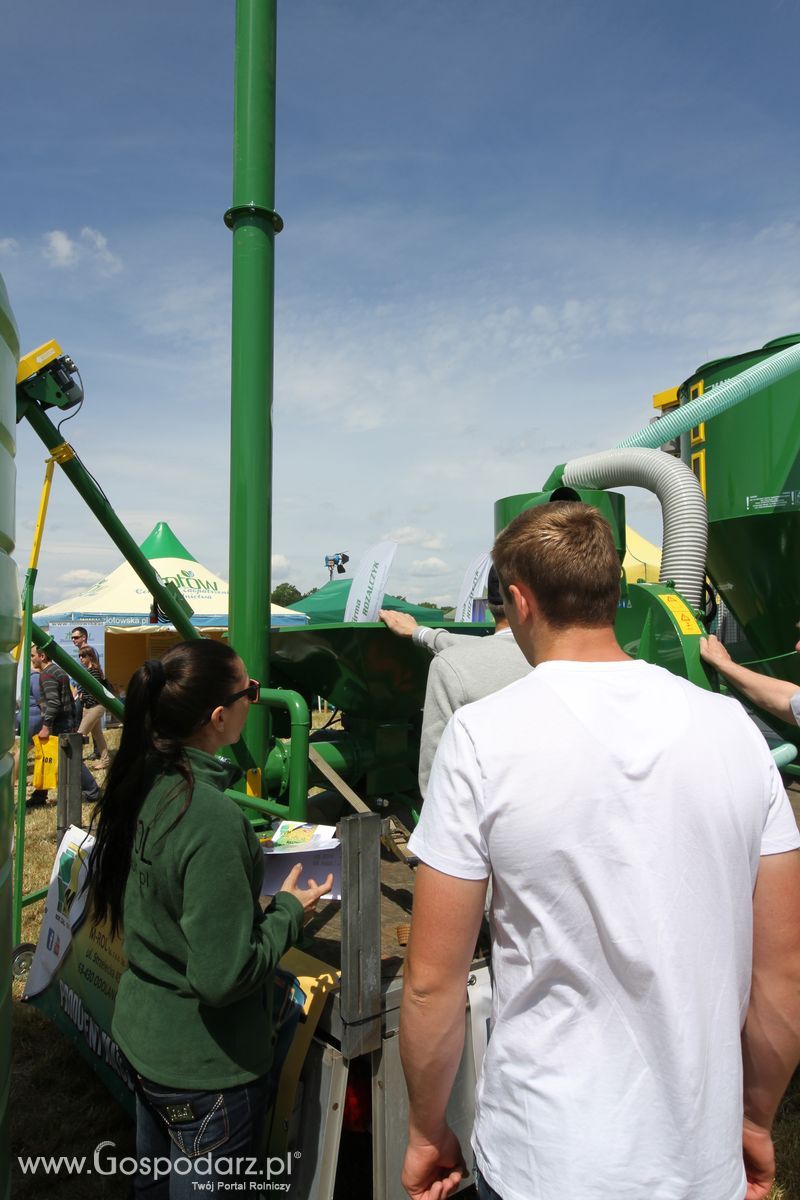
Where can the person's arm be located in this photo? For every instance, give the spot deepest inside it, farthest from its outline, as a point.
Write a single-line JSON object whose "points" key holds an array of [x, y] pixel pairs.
{"points": [[771, 1034], [404, 625], [773, 695], [232, 947], [444, 928]]}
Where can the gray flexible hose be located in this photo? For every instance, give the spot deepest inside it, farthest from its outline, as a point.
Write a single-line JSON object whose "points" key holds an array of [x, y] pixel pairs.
{"points": [[683, 507]]}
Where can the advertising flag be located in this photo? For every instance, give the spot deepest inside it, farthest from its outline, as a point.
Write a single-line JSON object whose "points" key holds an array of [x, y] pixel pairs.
{"points": [[472, 587], [369, 583]]}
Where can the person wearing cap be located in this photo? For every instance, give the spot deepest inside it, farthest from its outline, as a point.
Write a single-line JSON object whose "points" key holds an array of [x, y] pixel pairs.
{"points": [[464, 669], [779, 697]]}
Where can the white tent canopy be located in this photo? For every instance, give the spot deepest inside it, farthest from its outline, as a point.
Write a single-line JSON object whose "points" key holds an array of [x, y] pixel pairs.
{"points": [[122, 600]]}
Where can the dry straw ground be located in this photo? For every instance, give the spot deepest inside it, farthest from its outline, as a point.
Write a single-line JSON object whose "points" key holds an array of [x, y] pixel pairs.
{"points": [[59, 1107]]}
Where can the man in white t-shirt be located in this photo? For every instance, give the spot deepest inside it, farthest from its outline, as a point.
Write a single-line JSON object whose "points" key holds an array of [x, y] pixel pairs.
{"points": [[645, 912]]}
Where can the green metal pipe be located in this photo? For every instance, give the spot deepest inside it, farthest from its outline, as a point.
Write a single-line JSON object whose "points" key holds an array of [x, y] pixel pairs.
{"points": [[254, 224], [75, 671], [350, 756], [720, 398], [298, 747], [784, 754], [88, 490], [22, 778]]}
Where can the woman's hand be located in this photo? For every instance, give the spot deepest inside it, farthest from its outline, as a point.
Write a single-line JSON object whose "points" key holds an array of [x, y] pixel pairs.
{"points": [[309, 896]]}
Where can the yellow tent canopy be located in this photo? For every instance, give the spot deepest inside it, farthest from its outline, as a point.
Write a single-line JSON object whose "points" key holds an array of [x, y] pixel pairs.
{"points": [[642, 559]]}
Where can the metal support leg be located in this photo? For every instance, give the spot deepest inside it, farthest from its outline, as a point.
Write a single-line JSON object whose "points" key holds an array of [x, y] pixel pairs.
{"points": [[360, 1002], [70, 760]]}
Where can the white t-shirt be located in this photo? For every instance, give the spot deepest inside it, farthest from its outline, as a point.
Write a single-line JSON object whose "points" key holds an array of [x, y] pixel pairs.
{"points": [[621, 812]]}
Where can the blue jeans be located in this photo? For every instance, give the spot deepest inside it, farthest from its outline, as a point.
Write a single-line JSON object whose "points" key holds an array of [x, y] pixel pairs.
{"points": [[482, 1187], [197, 1137]]}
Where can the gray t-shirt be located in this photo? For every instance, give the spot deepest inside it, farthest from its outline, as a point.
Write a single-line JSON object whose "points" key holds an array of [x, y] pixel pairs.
{"points": [[794, 704], [468, 669]]}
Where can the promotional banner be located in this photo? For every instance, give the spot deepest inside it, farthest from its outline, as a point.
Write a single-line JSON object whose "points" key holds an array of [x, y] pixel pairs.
{"points": [[472, 588], [369, 583], [76, 969]]}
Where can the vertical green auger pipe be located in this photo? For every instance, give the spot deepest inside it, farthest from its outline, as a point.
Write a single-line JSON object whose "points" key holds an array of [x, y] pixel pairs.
{"points": [[254, 224]]}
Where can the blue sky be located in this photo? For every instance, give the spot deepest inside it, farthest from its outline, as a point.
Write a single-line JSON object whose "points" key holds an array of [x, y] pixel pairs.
{"points": [[507, 225]]}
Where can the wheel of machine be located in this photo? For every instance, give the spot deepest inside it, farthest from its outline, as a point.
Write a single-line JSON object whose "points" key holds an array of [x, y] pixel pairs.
{"points": [[21, 959]]}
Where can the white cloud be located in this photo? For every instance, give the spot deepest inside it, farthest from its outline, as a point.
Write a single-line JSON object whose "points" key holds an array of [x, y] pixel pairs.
{"points": [[8, 245], [80, 575], [91, 248], [59, 249], [97, 247], [280, 563], [429, 566], [410, 535]]}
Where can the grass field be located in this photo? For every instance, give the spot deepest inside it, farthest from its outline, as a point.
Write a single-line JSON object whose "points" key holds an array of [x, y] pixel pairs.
{"points": [[58, 1106]]}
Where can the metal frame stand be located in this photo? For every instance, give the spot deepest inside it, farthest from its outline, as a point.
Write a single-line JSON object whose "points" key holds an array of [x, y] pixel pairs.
{"points": [[68, 804]]}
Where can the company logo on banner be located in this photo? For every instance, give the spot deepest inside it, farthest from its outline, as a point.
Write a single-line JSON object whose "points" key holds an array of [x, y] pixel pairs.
{"points": [[472, 587], [369, 583]]}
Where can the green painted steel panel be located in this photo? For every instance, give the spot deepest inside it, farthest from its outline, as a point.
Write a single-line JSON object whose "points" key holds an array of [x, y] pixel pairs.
{"points": [[610, 504], [10, 629], [750, 456], [362, 669]]}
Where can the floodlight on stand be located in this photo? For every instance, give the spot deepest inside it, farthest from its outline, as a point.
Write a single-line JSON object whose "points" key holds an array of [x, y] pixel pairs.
{"points": [[336, 562]]}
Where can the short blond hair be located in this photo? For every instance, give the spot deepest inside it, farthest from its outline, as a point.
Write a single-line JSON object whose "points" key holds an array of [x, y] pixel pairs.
{"points": [[565, 553]]}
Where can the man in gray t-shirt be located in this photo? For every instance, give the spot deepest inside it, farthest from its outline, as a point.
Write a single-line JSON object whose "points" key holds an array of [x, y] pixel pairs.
{"points": [[464, 669]]}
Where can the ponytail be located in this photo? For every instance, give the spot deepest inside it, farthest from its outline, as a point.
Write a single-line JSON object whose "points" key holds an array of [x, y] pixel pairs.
{"points": [[166, 703]]}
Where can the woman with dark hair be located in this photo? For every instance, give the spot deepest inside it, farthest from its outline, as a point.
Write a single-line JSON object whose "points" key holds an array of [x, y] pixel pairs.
{"points": [[176, 863], [91, 709]]}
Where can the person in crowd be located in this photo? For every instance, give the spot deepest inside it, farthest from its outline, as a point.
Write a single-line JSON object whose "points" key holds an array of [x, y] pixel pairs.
{"points": [[34, 720], [177, 866], [645, 912], [34, 703], [58, 716], [776, 696], [92, 710], [80, 640], [465, 668]]}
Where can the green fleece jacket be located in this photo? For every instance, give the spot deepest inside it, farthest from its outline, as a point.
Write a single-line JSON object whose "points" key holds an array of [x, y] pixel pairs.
{"points": [[194, 1008]]}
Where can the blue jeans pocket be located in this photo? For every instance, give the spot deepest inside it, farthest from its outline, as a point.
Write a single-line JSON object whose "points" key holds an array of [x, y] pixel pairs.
{"points": [[197, 1122]]}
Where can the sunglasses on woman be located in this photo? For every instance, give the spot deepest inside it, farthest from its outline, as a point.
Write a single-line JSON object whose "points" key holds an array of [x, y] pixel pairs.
{"points": [[251, 691]]}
